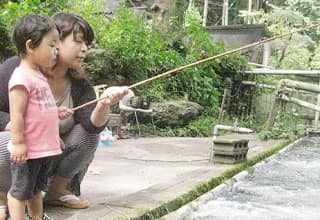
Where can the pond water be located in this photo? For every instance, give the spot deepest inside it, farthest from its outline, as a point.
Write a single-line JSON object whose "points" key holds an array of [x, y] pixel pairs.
{"points": [[285, 187]]}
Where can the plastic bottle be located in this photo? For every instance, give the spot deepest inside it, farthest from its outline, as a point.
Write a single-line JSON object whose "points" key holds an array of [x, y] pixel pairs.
{"points": [[106, 138]]}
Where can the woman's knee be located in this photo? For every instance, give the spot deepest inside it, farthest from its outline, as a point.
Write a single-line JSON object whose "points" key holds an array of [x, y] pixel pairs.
{"points": [[5, 175], [79, 138]]}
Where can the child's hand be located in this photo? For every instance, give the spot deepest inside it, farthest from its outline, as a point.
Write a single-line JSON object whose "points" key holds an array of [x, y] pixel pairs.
{"points": [[113, 94], [18, 153], [64, 112]]}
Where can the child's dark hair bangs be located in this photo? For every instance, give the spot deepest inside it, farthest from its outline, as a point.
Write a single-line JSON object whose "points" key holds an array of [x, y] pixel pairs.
{"points": [[30, 27]]}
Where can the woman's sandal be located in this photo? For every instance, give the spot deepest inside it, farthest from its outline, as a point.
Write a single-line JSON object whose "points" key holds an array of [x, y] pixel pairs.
{"points": [[69, 201], [44, 217]]}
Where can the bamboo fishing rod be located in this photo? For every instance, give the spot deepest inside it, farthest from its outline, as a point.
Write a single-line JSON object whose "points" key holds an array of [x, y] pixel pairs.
{"points": [[203, 61]]}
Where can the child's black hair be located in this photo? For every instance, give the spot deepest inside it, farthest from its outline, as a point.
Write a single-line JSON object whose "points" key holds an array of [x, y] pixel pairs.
{"points": [[30, 27]]}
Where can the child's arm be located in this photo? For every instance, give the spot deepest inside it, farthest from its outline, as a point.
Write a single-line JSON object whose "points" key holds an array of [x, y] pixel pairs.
{"points": [[18, 97]]}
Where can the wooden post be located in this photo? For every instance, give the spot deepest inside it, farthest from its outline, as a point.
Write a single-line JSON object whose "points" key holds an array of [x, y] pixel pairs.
{"points": [[275, 107], [205, 13], [249, 10], [266, 53], [285, 83], [225, 13]]}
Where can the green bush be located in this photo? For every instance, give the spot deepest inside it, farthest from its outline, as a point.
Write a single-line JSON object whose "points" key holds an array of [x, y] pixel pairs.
{"points": [[11, 11], [285, 126], [6, 47], [133, 51], [201, 127]]}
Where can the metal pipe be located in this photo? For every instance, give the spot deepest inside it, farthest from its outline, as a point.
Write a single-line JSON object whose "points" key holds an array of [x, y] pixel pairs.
{"points": [[284, 72], [229, 128], [261, 65], [259, 85], [316, 118], [222, 104], [266, 86]]}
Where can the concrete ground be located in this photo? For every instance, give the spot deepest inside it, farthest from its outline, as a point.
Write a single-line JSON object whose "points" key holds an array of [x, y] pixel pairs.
{"points": [[135, 175]]}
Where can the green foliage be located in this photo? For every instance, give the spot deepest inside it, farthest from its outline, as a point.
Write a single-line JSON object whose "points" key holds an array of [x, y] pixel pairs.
{"points": [[285, 126], [201, 127], [192, 17], [2, 2], [315, 63], [306, 7], [251, 17], [181, 6], [300, 59], [11, 11], [130, 46], [6, 47], [137, 52], [134, 51], [285, 16]]}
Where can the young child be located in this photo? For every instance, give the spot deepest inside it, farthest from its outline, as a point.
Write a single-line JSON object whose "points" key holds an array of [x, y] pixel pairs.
{"points": [[34, 116]]}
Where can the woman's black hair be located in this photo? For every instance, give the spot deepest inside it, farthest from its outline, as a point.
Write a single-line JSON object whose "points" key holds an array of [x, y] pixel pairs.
{"points": [[69, 23]]}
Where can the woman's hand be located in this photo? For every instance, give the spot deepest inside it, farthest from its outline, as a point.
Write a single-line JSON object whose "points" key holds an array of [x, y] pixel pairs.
{"points": [[64, 112], [113, 95]]}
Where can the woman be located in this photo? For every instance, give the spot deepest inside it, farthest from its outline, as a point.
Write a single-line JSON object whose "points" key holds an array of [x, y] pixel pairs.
{"points": [[80, 133]]}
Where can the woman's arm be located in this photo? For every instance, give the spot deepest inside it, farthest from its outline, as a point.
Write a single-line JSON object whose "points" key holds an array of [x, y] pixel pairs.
{"points": [[93, 117], [6, 71], [82, 92], [112, 96]]}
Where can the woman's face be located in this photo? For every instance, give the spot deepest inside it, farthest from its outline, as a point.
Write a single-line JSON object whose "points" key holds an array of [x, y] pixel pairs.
{"points": [[72, 51]]}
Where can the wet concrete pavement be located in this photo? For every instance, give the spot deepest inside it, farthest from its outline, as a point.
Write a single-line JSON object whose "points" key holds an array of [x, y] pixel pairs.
{"points": [[139, 174]]}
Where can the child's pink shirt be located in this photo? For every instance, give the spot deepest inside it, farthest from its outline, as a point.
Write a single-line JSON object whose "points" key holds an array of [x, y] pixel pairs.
{"points": [[41, 122]]}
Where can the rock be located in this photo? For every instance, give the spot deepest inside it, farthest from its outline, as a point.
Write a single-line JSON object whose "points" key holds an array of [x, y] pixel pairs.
{"points": [[172, 113]]}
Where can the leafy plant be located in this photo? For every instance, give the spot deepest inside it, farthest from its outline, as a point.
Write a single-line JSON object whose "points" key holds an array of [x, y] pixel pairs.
{"points": [[284, 127], [6, 47], [11, 11], [201, 127]]}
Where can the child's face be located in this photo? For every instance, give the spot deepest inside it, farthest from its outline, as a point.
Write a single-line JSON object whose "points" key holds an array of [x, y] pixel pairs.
{"points": [[72, 51], [45, 55]]}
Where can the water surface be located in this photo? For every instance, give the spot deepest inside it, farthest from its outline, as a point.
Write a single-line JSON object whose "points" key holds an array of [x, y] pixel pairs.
{"points": [[285, 187]]}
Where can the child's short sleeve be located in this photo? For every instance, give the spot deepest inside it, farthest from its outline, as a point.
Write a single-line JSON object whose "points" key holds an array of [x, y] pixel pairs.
{"points": [[19, 78]]}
